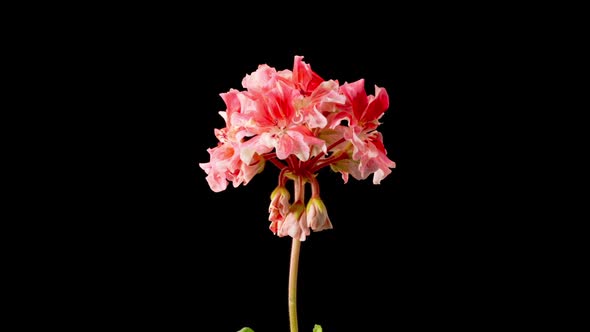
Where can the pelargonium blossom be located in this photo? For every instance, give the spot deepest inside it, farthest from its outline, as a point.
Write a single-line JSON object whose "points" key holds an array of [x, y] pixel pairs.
{"points": [[300, 123]]}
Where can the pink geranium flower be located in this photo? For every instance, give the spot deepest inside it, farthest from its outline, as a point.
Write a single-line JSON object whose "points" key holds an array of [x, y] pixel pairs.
{"points": [[368, 152], [300, 123]]}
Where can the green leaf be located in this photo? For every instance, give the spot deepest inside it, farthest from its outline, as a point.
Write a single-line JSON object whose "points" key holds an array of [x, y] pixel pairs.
{"points": [[316, 328], [247, 329]]}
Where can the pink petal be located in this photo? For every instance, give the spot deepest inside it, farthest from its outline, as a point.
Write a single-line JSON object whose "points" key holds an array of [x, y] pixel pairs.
{"points": [[303, 77], [357, 97], [260, 80], [377, 106]]}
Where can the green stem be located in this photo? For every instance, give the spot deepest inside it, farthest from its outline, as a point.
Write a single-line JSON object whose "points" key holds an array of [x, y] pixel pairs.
{"points": [[293, 284]]}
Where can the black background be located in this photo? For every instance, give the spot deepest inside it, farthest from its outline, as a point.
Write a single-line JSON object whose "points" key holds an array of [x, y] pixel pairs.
{"points": [[399, 251], [154, 246]]}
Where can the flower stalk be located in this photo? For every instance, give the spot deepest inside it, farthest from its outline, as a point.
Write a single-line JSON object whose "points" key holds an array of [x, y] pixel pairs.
{"points": [[293, 270], [299, 190]]}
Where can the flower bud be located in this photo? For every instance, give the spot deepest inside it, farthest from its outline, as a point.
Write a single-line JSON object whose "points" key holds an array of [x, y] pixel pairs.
{"points": [[279, 200], [317, 215], [295, 223]]}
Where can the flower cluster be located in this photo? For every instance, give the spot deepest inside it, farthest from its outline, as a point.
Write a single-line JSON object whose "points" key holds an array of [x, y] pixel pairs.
{"points": [[300, 123]]}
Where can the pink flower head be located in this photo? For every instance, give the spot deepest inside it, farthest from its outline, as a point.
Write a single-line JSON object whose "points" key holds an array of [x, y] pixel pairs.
{"points": [[300, 123]]}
